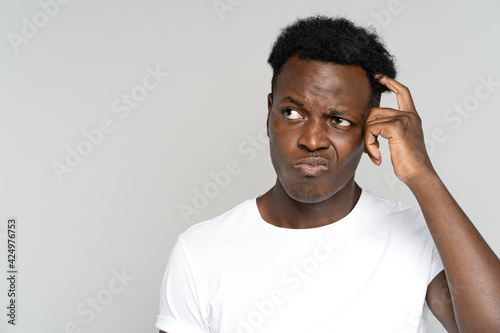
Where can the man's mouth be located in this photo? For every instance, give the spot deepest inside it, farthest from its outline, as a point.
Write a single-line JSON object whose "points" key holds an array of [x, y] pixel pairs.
{"points": [[312, 166]]}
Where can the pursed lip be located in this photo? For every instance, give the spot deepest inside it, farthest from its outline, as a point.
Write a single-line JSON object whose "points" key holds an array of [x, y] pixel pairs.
{"points": [[312, 166]]}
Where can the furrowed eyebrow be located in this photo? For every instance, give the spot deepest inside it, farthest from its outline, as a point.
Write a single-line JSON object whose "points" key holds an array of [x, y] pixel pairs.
{"points": [[343, 114], [339, 113], [333, 113], [294, 101]]}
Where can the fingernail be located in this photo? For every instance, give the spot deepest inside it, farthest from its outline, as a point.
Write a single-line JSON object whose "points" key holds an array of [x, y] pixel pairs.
{"points": [[378, 76]]}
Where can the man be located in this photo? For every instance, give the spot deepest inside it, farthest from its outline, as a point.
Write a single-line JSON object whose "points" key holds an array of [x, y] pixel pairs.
{"points": [[316, 253]]}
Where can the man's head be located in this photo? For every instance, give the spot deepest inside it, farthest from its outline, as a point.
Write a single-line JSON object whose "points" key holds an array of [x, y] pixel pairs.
{"points": [[333, 40], [323, 88]]}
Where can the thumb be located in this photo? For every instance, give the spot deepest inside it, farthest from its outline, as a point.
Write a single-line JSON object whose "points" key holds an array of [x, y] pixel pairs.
{"points": [[372, 150]]}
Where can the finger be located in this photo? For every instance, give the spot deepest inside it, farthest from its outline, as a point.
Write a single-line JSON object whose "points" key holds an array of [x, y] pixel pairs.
{"points": [[382, 113], [372, 148], [405, 101], [384, 127]]}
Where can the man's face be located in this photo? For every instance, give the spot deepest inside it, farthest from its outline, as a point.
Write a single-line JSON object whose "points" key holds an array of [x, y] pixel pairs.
{"points": [[315, 125]]}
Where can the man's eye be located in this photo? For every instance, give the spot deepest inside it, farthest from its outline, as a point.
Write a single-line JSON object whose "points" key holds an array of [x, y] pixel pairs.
{"points": [[341, 122], [291, 114]]}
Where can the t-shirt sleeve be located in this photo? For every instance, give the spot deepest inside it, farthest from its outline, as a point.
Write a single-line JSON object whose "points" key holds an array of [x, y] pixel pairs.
{"points": [[179, 303], [436, 263]]}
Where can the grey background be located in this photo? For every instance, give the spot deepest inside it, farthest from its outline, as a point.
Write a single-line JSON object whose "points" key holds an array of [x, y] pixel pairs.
{"points": [[119, 209]]}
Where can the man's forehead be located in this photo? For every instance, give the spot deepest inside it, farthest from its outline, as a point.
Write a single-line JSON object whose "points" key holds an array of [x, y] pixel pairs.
{"points": [[324, 78]]}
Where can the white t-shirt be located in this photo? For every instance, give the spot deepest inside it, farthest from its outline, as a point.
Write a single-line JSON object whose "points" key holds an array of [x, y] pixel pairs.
{"points": [[236, 273]]}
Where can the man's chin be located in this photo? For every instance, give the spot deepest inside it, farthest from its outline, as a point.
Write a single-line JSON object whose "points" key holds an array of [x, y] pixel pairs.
{"points": [[307, 194]]}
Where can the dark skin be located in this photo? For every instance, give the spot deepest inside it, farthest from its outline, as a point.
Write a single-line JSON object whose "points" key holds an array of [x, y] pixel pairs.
{"points": [[320, 111], [465, 297], [315, 112]]}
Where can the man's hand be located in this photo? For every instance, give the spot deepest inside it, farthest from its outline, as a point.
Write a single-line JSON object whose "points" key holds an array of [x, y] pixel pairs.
{"points": [[403, 130], [471, 269]]}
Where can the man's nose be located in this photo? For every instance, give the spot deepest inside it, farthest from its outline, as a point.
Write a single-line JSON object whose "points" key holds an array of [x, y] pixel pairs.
{"points": [[313, 136]]}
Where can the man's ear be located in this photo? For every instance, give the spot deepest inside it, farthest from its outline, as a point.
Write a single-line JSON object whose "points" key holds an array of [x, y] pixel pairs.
{"points": [[269, 102], [269, 107]]}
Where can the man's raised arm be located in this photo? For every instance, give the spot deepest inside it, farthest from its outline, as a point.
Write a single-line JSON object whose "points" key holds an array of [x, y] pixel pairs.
{"points": [[471, 269]]}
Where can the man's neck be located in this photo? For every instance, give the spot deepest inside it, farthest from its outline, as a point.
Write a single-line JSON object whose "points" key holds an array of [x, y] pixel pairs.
{"points": [[278, 208]]}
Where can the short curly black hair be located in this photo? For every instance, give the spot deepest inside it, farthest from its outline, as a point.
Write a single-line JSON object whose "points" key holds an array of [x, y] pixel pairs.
{"points": [[335, 40]]}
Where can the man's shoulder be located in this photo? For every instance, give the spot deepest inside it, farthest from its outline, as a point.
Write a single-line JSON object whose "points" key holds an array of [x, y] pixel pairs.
{"points": [[389, 205], [233, 220], [402, 217]]}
